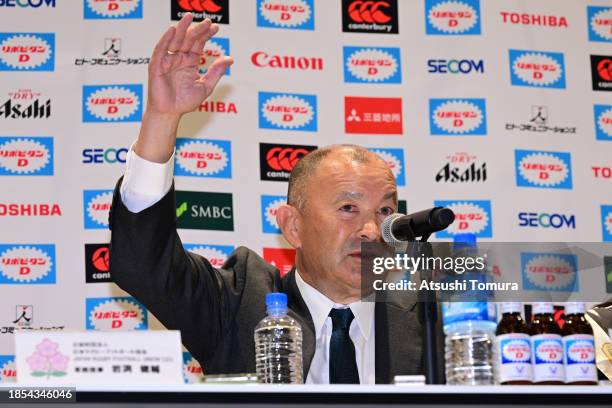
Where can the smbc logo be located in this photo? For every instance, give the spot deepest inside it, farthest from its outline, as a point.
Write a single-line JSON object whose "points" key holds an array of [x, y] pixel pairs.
{"points": [[200, 210]]}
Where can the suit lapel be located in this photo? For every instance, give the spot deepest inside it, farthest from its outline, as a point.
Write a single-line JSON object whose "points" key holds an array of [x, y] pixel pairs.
{"points": [[299, 311]]}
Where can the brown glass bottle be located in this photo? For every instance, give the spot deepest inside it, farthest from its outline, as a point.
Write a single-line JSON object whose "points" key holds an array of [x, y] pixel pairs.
{"points": [[546, 346], [513, 347], [578, 347]]}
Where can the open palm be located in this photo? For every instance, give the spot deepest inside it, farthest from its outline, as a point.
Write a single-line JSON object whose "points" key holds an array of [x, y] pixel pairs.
{"points": [[175, 85]]}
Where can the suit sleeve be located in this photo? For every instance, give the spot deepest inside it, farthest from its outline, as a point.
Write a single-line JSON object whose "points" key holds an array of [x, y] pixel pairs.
{"points": [[181, 289]]}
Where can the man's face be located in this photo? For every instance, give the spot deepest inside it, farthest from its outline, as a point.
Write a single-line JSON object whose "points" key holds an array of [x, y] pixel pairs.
{"points": [[345, 203]]}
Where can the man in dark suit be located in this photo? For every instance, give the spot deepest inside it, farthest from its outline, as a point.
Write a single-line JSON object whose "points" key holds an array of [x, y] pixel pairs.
{"points": [[337, 198]]}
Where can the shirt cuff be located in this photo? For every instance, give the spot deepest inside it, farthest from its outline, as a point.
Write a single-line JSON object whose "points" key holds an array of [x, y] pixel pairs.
{"points": [[145, 182]]}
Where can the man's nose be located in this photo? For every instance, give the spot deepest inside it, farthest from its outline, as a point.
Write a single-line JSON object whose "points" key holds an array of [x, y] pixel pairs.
{"points": [[370, 231]]}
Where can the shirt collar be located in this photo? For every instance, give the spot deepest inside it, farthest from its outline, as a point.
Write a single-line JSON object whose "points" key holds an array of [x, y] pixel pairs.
{"points": [[319, 306]]}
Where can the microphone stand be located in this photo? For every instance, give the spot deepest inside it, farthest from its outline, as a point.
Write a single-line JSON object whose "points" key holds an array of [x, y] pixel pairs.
{"points": [[427, 309]]}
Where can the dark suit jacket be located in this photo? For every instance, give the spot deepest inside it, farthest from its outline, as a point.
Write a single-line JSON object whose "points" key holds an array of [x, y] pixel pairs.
{"points": [[217, 310]]}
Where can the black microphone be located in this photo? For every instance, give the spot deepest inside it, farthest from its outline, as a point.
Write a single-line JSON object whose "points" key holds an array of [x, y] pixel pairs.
{"points": [[400, 227]]}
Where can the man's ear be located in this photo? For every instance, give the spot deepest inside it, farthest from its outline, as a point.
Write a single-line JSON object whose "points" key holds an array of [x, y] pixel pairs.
{"points": [[288, 219]]}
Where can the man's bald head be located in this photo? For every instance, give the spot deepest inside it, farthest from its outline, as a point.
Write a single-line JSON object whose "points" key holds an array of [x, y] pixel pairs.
{"points": [[307, 167]]}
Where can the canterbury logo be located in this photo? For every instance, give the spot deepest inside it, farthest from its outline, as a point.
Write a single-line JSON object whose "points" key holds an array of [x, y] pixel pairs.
{"points": [[369, 12], [284, 158], [181, 210], [208, 6]]}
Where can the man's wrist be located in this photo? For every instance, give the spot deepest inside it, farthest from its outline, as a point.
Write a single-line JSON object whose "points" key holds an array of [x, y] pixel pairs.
{"points": [[157, 136]]}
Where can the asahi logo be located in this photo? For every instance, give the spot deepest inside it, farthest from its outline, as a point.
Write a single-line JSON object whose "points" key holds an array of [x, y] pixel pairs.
{"points": [[462, 167], [25, 104], [379, 16], [203, 210]]}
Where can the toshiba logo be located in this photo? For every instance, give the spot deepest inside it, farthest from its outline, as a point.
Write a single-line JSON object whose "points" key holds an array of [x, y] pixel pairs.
{"points": [[262, 59]]}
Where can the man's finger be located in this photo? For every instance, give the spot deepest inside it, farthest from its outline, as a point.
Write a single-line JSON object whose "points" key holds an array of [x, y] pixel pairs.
{"points": [[181, 29], [215, 72], [198, 45], [193, 33], [162, 46]]}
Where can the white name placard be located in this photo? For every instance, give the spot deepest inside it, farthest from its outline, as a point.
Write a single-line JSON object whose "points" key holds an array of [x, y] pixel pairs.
{"points": [[99, 358]]}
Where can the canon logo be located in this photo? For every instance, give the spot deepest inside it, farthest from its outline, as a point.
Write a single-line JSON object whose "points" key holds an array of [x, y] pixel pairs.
{"points": [[29, 210], [369, 12], [533, 19], [262, 59]]}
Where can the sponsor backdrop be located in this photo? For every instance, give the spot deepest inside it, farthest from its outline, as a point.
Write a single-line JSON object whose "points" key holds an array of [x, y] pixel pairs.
{"points": [[498, 110]]}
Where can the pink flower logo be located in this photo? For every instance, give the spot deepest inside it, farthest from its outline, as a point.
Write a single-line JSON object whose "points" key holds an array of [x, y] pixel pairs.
{"points": [[47, 361]]}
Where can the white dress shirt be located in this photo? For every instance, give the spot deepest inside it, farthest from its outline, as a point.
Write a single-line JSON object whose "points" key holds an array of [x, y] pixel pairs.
{"points": [[145, 183]]}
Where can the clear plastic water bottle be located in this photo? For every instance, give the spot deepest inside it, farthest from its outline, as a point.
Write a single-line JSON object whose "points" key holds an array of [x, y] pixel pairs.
{"points": [[469, 329], [278, 344]]}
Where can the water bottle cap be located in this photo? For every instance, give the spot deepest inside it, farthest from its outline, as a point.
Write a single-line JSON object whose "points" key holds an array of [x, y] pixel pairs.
{"points": [[276, 300], [465, 240]]}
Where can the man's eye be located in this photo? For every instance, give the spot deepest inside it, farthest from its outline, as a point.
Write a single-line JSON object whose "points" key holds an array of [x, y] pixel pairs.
{"points": [[348, 208], [387, 211]]}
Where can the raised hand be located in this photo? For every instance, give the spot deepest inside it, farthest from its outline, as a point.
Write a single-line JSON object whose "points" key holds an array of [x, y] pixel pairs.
{"points": [[175, 85]]}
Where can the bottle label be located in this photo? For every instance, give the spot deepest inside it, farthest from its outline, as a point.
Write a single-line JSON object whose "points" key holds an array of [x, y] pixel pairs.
{"points": [[514, 357], [456, 312], [579, 358], [547, 357]]}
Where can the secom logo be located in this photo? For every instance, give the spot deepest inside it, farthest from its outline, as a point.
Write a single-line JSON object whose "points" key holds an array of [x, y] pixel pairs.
{"points": [[463, 117], [293, 14], [112, 103], [27, 51], [27, 264], [203, 158], [381, 65], [470, 217], [112, 9], [543, 169], [115, 314], [287, 111], [452, 17], [549, 272], [26, 156], [537, 68]]}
